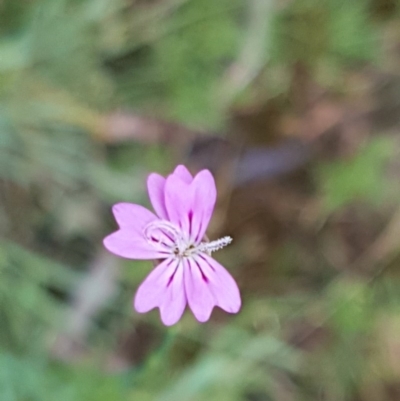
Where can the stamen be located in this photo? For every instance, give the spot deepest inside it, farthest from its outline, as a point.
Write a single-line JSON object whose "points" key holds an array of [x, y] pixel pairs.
{"points": [[214, 245], [161, 225], [164, 233], [167, 236]]}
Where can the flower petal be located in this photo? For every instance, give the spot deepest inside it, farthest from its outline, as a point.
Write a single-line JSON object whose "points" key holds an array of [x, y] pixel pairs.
{"points": [[163, 288], [222, 285], [132, 216], [183, 173], [204, 197], [190, 206], [178, 201], [199, 296], [155, 187], [128, 244]]}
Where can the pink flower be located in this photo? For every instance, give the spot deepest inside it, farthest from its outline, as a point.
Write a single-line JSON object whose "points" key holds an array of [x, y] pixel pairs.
{"points": [[187, 273]]}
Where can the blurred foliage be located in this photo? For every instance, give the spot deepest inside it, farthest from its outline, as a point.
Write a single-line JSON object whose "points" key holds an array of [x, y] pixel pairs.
{"points": [[317, 330], [362, 177], [326, 31]]}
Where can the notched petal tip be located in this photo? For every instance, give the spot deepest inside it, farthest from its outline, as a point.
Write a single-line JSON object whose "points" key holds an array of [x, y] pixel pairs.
{"points": [[183, 173], [204, 198], [203, 318], [163, 288], [153, 179], [131, 215], [222, 285], [105, 243], [110, 242], [155, 188], [119, 208], [233, 307], [206, 182], [199, 296], [170, 319]]}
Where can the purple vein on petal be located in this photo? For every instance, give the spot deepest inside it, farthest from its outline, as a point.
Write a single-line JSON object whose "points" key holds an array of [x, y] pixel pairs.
{"points": [[200, 299], [172, 276], [203, 276], [190, 216], [205, 261], [222, 285], [154, 292]]}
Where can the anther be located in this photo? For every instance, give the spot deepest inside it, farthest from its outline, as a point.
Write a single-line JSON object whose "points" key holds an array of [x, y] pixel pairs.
{"points": [[214, 245]]}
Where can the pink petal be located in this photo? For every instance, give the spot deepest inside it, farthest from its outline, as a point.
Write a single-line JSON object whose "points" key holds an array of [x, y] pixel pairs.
{"points": [[155, 187], [207, 284], [183, 173], [129, 244], [132, 216], [199, 296], [205, 195], [191, 206], [221, 283], [163, 288], [178, 201]]}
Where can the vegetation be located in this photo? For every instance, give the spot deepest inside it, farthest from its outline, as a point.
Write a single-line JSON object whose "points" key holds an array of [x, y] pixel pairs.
{"points": [[294, 105]]}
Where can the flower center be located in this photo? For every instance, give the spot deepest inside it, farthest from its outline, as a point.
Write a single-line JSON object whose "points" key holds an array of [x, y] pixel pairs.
{"points": [[166, 236]]}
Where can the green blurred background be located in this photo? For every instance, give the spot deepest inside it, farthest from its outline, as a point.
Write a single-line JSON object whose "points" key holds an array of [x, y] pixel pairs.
{"points": [[294, 105]]}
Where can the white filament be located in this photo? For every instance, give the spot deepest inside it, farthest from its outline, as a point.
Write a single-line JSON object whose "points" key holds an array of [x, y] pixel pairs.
{"points": [[214, 245], [158, 232]]}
